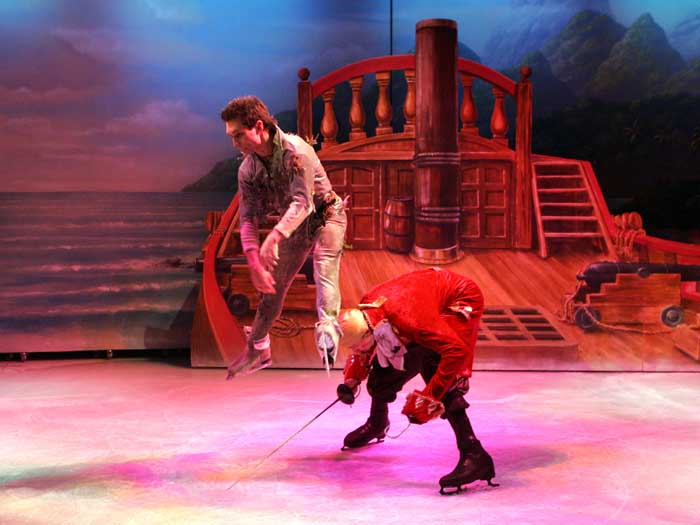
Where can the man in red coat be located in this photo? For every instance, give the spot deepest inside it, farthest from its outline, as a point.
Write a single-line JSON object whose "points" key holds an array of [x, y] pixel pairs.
{"points": [[426, 322]]}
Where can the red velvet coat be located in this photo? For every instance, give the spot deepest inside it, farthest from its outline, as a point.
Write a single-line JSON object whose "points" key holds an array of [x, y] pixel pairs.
{"points": [[418, 306]]}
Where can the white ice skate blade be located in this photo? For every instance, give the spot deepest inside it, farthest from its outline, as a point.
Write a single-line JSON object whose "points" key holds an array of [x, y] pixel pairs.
{"points": [[255, 367], [248, 369]]}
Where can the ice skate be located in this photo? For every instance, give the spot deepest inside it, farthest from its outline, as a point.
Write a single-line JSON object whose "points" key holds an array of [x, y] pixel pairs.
{"points": [[363, 435], [326, 343], [254, 359], [376, 427], [474, 464]]}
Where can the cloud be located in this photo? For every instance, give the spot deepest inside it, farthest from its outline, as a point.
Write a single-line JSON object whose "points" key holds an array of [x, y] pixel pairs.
{"points": [[103, 44], [160, 147], [122, 47], [183, 12], [55, 139], [159, 117], [30, 147], [26, 97], [22, 124], [40, 154]]}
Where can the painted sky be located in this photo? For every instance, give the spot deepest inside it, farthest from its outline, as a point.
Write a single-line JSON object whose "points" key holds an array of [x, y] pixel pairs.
{"points": [[125, 95]]}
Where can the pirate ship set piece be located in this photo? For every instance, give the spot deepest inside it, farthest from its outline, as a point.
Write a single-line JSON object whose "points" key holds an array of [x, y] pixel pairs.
{"points": [[454, 190]]}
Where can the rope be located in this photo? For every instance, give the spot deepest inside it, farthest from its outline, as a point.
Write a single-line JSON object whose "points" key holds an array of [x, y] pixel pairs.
{"points": [[397, 436], [287, 327], [619, 328], [569, 308], [625, 242]]}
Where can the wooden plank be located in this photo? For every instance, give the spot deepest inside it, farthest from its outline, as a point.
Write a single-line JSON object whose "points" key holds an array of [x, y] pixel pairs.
{"points": [[506, 277], [687, 340], [573, 218], [571, 235], [522, 185], [566, 204], [562, 190], [301, 294]]}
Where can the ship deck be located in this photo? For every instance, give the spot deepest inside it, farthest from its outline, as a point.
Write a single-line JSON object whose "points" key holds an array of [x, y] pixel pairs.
{"points": [[514, 278]]}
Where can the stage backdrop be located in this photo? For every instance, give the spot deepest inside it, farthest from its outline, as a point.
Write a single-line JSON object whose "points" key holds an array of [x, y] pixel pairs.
{"points": [[112, 151]]}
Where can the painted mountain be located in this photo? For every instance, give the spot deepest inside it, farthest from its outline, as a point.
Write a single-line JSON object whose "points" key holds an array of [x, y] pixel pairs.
{"points": [[530, 24], [687, 80], [685, 37], [639, 65], [549, 93], [584, 44], [222, 177]]}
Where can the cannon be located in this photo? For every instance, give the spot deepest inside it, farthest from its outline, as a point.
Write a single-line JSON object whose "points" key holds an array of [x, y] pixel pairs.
{"points": [[606, 272], [629, 293]]}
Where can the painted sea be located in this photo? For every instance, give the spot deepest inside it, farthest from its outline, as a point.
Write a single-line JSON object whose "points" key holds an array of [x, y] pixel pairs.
{"points": [[94, 271]]}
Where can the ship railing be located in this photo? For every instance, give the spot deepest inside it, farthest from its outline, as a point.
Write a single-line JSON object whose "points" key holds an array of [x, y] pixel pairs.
{"points": [[382, 68]]}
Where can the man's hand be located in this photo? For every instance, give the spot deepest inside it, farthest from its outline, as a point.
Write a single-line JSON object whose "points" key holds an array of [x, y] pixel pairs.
{"points": [[262, 280], [269, 252], [420, 408]]}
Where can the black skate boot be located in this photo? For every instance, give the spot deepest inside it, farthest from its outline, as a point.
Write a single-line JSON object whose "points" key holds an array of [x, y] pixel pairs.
{"points": [[376, 427], [474, 462]]}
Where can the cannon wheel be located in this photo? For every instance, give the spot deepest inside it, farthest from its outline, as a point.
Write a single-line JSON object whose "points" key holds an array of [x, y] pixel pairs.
{"points": [[643, 272], [238, 304], [672, 315], [583, 315]]}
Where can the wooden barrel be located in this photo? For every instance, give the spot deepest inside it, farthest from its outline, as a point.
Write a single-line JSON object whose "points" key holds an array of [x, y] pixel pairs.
{"points": [[398, 224]]}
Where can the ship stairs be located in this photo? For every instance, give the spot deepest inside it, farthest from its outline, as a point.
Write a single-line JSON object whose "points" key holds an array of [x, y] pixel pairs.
{"points": [[565, 208]]}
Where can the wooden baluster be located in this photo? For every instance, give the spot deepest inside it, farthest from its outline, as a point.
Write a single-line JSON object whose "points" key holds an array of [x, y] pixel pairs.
{"points": [[468, 112], [499, 122], [304, 118], [409, 107], [329, 124], [383, 109], [357, 112]]}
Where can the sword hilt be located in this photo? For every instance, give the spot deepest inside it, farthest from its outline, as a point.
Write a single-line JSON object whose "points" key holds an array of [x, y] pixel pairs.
{"points": [[346, 391]]}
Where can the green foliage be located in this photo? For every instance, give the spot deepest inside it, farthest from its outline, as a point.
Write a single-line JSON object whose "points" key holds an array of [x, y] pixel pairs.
{"points": [[687, 80], [645, 152]]}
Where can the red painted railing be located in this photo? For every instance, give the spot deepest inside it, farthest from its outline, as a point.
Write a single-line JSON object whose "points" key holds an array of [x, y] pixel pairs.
{"points": [[486, 73], [400, 62], [227, 333], [362, 67], [683, 253], [381, 67]]}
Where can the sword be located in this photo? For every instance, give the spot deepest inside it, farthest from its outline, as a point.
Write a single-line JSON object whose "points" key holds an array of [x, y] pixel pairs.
{"points": [[259, 463], [327, 358]]}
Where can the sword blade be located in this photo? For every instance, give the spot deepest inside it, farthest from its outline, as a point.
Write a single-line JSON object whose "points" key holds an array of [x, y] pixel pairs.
{"points": [[259, 463], [327, 359]]}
